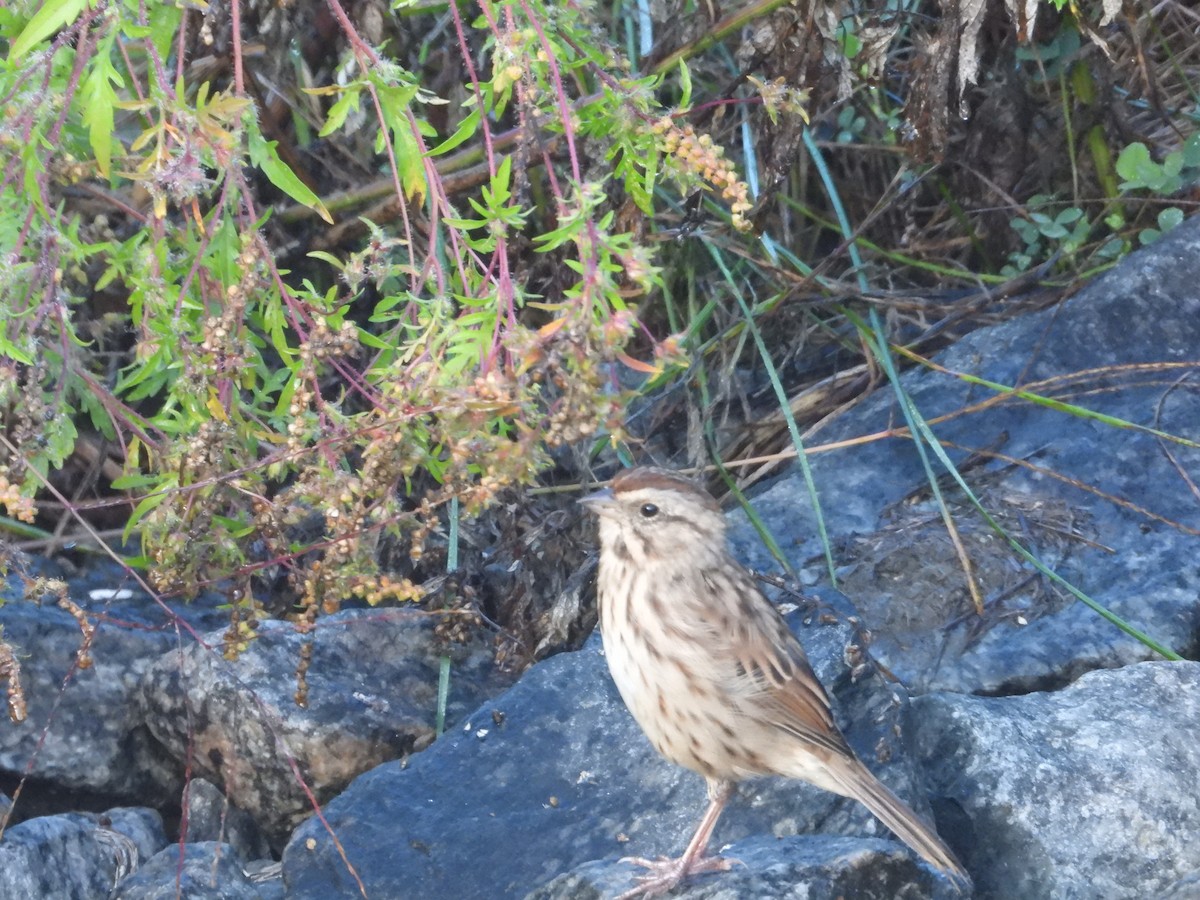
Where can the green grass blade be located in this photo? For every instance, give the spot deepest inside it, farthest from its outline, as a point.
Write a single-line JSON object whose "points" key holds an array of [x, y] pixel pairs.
{"points": [[785, 407], [923, 434], [443, 692]]}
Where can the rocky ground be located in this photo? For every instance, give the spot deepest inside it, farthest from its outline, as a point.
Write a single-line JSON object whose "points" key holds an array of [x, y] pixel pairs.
{"points": [[1056, 753]]}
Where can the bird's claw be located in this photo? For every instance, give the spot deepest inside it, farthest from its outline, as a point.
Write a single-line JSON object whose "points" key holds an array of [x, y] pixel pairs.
{"points": [[665, 873]]}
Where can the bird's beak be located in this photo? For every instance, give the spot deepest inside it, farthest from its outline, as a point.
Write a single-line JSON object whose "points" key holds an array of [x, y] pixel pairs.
{"points": [[599, 501]]}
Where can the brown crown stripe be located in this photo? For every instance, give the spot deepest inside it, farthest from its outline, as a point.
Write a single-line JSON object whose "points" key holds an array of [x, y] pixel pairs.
{"points": [[648, 477]]}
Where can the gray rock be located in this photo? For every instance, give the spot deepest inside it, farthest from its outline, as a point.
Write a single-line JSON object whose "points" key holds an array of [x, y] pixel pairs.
{"points": [[142, 827], [55, 856], [555, 773], [1186, 888], [372, 696], [797, 867], [898, 565], [75, 855], [83, 733], [1086, 792], [210, 871], [210, 816]]}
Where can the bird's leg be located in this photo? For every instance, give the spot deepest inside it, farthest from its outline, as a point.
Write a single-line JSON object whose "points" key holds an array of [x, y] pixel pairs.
{"points": [[664, 873]]}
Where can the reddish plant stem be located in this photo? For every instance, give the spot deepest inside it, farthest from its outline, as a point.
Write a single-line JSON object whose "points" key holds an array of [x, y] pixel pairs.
{"points": [[239, 81]]}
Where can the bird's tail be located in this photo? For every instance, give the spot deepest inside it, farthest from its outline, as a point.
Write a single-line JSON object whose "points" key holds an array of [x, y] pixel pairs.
{"points": [[857, 782]]}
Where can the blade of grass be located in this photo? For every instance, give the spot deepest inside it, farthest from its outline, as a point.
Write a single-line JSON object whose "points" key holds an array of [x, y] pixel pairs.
{"points": [[1081, 412], [856, 260], [785, 408], [443, 692], [922, 434], [710, 434], [840, 211]]}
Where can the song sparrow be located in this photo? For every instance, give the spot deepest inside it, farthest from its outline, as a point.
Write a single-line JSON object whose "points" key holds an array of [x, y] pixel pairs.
{"points": [[710, 670]]}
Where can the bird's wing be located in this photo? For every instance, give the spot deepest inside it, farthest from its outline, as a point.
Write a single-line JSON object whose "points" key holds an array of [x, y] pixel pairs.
{"points": [[773, 669]]}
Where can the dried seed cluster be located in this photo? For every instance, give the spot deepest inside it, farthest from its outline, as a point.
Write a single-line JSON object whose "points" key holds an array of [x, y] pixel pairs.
{"points": [[20, 508], [701, 155]]}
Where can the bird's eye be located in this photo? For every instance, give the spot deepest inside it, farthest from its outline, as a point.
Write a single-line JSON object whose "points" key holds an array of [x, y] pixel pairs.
{"points": [[649, 510]]}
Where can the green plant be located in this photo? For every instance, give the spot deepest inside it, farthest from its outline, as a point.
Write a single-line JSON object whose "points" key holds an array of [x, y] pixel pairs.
{"points": [[1044, 232], [507, 239], [1141, 173], [250, 392], [1166, 220], [850, 125]]}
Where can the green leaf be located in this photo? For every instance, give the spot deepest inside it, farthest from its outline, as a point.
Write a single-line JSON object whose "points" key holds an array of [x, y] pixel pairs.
{"points": [[1113, 248], [34, 167], [164, 24], [685, 85], [329, 258], [1132, 162], [345, 104], [61, 434], [408, 161], [465, 131], [394, 100], [134, 482], [851, 44], [98, 414], [165, 488], [99, 98], [369, 340], [235, 527], [53, 15], [1191, 151], [273, 323], [1169, 218], [12, 351], [500, 184], [263, 155], [1140, 171]]}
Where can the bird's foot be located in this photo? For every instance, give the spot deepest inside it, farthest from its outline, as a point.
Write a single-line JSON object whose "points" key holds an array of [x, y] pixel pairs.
{"points": [[665, 874]]}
